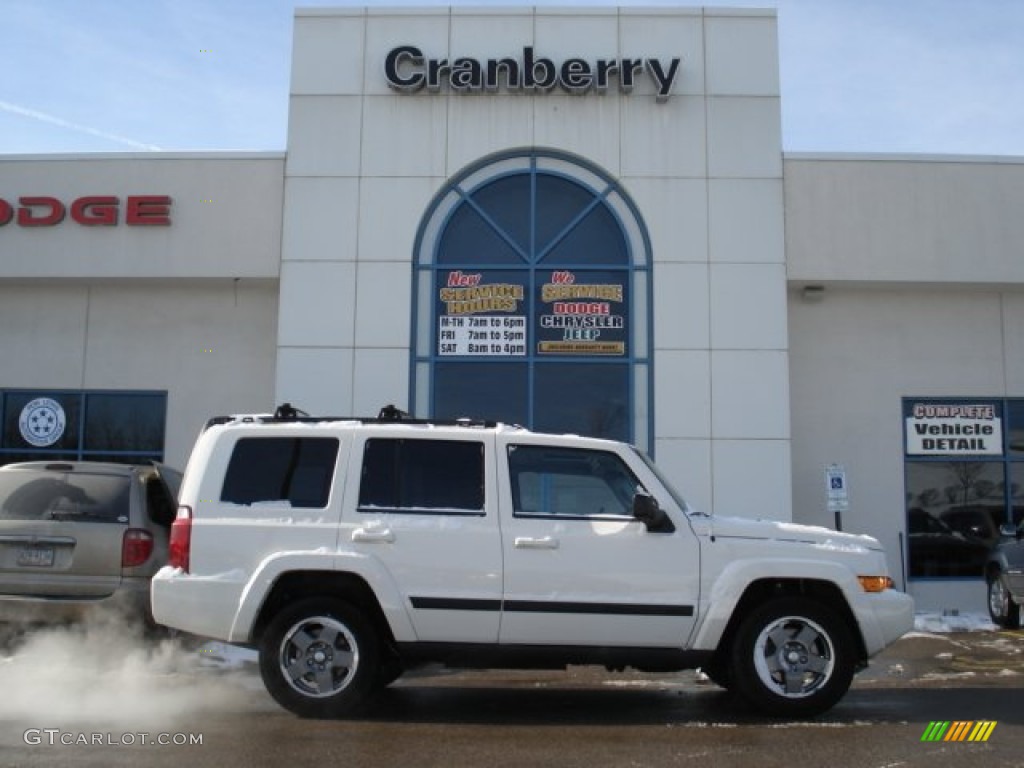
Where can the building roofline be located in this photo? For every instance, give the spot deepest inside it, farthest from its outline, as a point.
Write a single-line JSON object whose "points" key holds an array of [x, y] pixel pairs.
{"points": [[135, 156], [902, 157]]}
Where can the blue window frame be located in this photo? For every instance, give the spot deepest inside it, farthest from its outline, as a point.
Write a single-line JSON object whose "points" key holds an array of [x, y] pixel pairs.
{"points": [[532, 292], [72, 425]]}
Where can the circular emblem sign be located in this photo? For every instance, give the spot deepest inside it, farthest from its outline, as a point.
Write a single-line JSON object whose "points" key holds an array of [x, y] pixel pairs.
{"points": [[42, 422]]}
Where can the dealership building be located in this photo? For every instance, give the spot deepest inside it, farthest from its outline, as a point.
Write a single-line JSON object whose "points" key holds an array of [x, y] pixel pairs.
{"points": [[573, 219]]}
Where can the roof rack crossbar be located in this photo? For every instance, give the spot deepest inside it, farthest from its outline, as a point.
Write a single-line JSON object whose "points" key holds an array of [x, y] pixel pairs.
{"points": [[286, 413]]}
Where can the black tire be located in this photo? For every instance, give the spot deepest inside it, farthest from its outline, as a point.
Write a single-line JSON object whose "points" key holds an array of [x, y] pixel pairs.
{"points": [[1005, 612], [389, 670], [718, 672], [319, 658], [792, 657]]}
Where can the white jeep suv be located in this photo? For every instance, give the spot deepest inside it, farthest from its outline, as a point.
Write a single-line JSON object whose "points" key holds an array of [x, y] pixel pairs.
{"points": [[348, 550]]}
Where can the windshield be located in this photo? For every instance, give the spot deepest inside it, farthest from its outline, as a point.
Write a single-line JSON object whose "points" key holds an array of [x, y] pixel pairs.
{"points": [[676, 496]]}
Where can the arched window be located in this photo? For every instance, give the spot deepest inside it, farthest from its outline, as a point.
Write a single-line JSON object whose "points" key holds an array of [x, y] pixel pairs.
{"points": [[532, 300]]}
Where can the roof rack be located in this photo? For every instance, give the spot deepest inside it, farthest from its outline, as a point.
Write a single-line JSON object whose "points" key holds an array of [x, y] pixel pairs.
{"points": [[286, 413]]}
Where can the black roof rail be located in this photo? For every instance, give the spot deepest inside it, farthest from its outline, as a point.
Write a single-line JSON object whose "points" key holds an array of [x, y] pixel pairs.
{"points": [[286, 413]]}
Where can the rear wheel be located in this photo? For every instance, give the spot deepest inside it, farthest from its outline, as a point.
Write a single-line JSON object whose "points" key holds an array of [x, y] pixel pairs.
{"points": [[319, 658], [793, 657], [1001, 607]]}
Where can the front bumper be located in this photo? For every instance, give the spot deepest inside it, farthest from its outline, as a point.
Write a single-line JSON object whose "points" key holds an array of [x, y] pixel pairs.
{"points": [[884, 618]]}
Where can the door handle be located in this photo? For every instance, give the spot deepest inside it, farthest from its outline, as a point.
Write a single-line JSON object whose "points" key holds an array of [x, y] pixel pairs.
{"points": [[525, 542], [373, 534]]}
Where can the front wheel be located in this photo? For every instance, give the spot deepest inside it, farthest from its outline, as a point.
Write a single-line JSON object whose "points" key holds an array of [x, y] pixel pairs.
{"points": [[1001, 607], [793, 657], [319, 658]]}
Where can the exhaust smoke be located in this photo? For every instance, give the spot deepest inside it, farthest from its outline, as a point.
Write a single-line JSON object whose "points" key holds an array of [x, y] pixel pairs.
{"points": [[107, 671]]}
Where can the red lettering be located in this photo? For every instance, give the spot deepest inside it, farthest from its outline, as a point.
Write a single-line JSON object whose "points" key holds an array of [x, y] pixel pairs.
{"points": [[458, 279], [95, 211], [581, 308], [90, 211], [563, 277], [26, 217], [148, 210]]}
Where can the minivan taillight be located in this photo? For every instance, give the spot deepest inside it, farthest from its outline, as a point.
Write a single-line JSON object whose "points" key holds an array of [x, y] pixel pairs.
{"points": [[181, 539], [136, 547]]}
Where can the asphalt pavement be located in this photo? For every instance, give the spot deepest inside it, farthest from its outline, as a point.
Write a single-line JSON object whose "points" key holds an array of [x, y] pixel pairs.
{"points": [[56, 715]]}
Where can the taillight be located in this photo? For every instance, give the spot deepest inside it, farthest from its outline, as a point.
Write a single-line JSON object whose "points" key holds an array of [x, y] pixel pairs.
{"points": [[136, 547], [181, 539]]}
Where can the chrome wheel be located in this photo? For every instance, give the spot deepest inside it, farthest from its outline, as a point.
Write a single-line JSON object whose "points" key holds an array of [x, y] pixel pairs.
{"points": [[998, 599], [1003, 609], [794, 656], [318, 656]]}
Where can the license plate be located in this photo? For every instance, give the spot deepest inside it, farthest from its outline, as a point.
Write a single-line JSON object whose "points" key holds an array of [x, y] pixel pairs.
{"points": [[36, 557]]}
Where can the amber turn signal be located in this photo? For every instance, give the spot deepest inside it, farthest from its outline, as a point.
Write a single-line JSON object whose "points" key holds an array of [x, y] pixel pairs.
{"points": [[875, 583]]}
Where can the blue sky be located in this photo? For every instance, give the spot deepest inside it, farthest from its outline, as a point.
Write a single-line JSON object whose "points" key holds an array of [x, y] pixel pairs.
{"points": [[905, 76]]}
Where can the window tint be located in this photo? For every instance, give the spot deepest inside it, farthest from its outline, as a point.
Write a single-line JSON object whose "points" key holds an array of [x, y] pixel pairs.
{"points": [[422, 476], [281, 469], [43, 495], [120, 422], [95, 425], [569, 482], [954, 509], [467, 390], [599, 405]]}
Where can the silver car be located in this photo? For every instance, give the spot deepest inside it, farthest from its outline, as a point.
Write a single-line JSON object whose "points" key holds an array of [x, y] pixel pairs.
{"points": [[1004, 575], [75, 536]]}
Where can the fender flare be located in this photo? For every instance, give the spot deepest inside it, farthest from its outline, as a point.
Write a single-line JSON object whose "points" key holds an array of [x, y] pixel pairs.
{"points": [[272, 568], [734, 580]]}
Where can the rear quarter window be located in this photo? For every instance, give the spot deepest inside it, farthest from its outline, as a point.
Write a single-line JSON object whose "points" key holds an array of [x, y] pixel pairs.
{"points": [[284, 470]]}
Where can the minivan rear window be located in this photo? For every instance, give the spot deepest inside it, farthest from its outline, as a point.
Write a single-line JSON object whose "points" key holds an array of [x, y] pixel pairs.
{"points": [[48, 495], [281, 470]]}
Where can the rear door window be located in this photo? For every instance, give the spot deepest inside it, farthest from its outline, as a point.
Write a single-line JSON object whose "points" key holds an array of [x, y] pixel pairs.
{"points": [[281, 470], [425, 476]]}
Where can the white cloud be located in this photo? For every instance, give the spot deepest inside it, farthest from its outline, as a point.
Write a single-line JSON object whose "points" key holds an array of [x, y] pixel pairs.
{"points": [[33, 114]]}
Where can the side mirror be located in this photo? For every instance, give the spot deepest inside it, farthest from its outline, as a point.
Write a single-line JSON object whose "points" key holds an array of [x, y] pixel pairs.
{"points": [[648, 512]]}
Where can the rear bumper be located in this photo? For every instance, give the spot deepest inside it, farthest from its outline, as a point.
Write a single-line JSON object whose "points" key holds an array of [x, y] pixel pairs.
{"points": [[130, 600], [199, 606]]}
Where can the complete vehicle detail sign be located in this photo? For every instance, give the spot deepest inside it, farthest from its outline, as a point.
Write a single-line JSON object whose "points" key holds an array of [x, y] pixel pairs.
{"points": [[954, 429], [407, 69]]}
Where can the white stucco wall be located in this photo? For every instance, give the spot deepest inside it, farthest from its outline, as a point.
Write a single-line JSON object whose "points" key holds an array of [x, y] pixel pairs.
{"points": [[704, 167], [225, 216], [189, 308], [923, 296]]}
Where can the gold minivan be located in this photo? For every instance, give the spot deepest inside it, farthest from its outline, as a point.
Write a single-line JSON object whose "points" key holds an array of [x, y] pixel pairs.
{"points": [[80, 535]]}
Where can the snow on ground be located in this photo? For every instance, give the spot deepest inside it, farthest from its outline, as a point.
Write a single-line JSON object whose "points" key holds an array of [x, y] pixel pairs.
{"points": [[940, 623]]}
